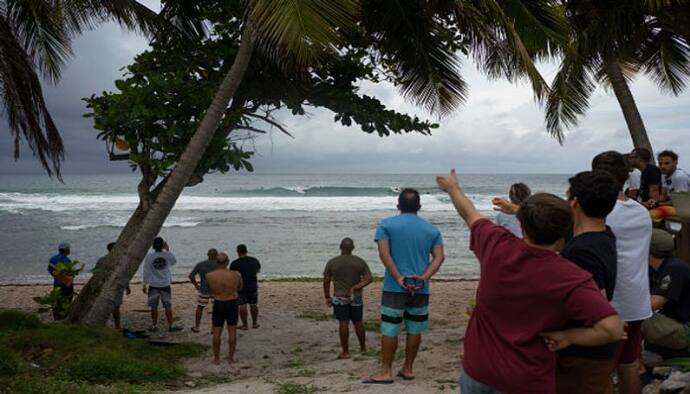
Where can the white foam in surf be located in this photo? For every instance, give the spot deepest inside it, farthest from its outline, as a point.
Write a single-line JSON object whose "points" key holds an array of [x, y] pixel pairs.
{"points": [[16, 202]]}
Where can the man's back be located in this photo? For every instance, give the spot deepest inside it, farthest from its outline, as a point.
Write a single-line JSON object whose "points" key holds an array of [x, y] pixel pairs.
{"points": [[523, 291], [411, 240], [632, 226], [203, 268], [672, 281], [248, 267], [346, 271], [157, 268], [223, 284]]}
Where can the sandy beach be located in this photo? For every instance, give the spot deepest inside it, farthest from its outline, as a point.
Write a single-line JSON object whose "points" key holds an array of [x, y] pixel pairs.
{"points": [[297, 342]]}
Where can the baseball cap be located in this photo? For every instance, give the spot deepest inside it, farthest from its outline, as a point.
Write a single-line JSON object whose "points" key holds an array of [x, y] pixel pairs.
{"points": [[64, 245], [662, 243]]}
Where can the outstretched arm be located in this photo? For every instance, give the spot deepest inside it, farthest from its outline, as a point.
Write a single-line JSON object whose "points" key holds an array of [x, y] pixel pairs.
{"points": [[463, 205], [606, 330]]}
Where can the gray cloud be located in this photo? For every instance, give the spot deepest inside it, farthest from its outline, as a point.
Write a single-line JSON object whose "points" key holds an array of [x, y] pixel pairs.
{"points": [[499, 130]]}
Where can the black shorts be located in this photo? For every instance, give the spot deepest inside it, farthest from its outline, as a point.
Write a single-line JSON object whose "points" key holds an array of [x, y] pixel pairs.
{"points": [[248, 297], [224, 311], [348, 312]]}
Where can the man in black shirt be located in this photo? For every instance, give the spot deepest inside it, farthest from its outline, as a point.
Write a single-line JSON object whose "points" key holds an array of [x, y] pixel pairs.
{"points": [[248, 267], [670, 284], [592, 196], [650, 180]]}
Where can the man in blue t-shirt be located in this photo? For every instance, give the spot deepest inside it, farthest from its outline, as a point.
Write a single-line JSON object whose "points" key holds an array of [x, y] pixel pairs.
{"points": [[405, 244], [62, 282]]}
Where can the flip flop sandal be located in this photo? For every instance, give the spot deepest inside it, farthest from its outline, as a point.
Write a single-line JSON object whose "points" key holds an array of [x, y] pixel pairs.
{"points": [[375, 381], [405, 377]]}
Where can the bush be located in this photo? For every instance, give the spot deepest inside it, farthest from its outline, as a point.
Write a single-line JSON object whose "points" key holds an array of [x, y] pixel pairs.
{"points": [[15, 321], [105, 366], [9, 362]]}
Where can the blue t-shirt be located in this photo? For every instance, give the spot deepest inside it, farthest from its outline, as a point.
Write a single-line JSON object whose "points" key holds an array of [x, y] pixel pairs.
{"points": [[411, 239], [58, 258]]}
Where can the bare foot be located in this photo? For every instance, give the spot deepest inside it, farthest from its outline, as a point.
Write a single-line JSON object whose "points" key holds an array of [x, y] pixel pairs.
{"points": [[363, 350], [243, 328], [379, 378], [216, 360], [343, 356], [256, 325], [230, 360]]}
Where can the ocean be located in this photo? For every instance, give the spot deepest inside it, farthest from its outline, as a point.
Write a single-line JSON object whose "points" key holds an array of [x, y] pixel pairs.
{"points": [[292, 223]]}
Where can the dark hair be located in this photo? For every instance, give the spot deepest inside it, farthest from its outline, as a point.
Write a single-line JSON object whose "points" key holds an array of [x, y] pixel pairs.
{"points": [[596, 192], [158, 244], [545, 218], [409, 201], [519, 193], [242, 249], [643, 153], [668, 153], [111, 246], [614, 163]]}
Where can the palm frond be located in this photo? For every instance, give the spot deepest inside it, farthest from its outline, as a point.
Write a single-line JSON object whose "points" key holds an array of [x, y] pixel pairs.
{"points": [[297, 32], [668, 62], [569, 95], [25, 108], [412, 43], [40, 29], [185, 16]]}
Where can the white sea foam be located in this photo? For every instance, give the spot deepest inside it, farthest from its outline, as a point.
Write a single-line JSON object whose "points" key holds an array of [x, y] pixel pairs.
{"points": [[16, 202], [171, 222]]}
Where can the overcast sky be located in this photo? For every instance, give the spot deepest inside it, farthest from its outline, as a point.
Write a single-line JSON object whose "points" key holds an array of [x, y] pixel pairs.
{"points": [[499, 130]]}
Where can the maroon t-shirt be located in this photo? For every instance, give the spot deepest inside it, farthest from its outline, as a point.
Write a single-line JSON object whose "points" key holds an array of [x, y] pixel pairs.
{"points": [[522, 292]]}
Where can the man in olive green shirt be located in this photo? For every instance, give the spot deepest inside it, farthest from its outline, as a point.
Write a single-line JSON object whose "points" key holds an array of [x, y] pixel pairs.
{"points": [[350, 274]]}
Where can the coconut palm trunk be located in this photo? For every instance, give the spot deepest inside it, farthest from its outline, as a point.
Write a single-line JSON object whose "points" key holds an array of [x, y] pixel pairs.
{"points": [[625, 99], [96, 311]]}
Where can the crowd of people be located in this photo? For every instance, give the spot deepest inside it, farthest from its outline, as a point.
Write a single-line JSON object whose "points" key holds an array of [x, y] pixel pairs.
{"points": [[569, 289]]}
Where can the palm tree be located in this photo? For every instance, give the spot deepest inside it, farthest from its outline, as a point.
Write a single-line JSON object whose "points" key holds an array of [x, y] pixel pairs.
{"points": [[610, 42], [417, 46], [35, 42]]}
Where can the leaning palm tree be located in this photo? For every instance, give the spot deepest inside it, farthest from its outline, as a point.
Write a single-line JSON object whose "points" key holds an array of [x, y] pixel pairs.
{"points": [[611, 42], [415, 42], [35, 44]]}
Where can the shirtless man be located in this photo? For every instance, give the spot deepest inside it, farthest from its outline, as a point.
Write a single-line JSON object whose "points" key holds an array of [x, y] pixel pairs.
{"points": [[223, 286]]}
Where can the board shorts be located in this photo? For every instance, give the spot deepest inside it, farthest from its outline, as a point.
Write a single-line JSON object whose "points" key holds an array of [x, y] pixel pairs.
{"points": [[663, 331], [348, 309], [399, 307], [224, 311], [248, 297], [162, 294], [202, 299], [630, 349]]}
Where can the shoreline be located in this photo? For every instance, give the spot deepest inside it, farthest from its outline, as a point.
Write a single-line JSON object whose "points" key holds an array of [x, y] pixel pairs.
{"points": [[279, 279]]}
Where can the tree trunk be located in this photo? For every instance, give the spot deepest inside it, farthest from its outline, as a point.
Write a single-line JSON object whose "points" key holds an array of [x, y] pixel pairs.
{"points": [[93, 288], [103, 305], [628, 106]]}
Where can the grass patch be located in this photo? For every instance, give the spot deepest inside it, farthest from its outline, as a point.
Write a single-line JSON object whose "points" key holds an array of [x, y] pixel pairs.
{"points": [[294, 388], [371, 325], [57, 357], [399, 354]]}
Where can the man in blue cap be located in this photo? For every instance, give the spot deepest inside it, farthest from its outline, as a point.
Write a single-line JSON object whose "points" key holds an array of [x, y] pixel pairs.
{"points": [[64, 282]]}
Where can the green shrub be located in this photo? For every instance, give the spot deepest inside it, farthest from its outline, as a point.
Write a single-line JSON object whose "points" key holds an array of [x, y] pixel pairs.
{"points": [[9, 362], [15, 320], [104, 366]]}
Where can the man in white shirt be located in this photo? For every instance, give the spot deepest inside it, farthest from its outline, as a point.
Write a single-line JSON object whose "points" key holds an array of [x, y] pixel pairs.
{"points": [[632, 185], [673, 179], [158, 277], [631, 224]]}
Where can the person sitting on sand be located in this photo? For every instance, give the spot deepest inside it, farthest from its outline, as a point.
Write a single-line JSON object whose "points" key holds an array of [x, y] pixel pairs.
{"points": [[526, 291], [63, 282], [517, 194], [158, 277], [350, 274], [666, 332], [223, 286], [120, 296], [249, 267], [202, 269], [405, 243]]}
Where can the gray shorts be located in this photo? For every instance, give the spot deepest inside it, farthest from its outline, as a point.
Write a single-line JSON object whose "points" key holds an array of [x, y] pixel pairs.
{"points": [[164, 294]]}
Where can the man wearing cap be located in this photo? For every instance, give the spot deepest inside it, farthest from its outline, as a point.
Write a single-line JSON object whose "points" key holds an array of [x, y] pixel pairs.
{"points": [[63, 282], [158, 277], [668, 327]]}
